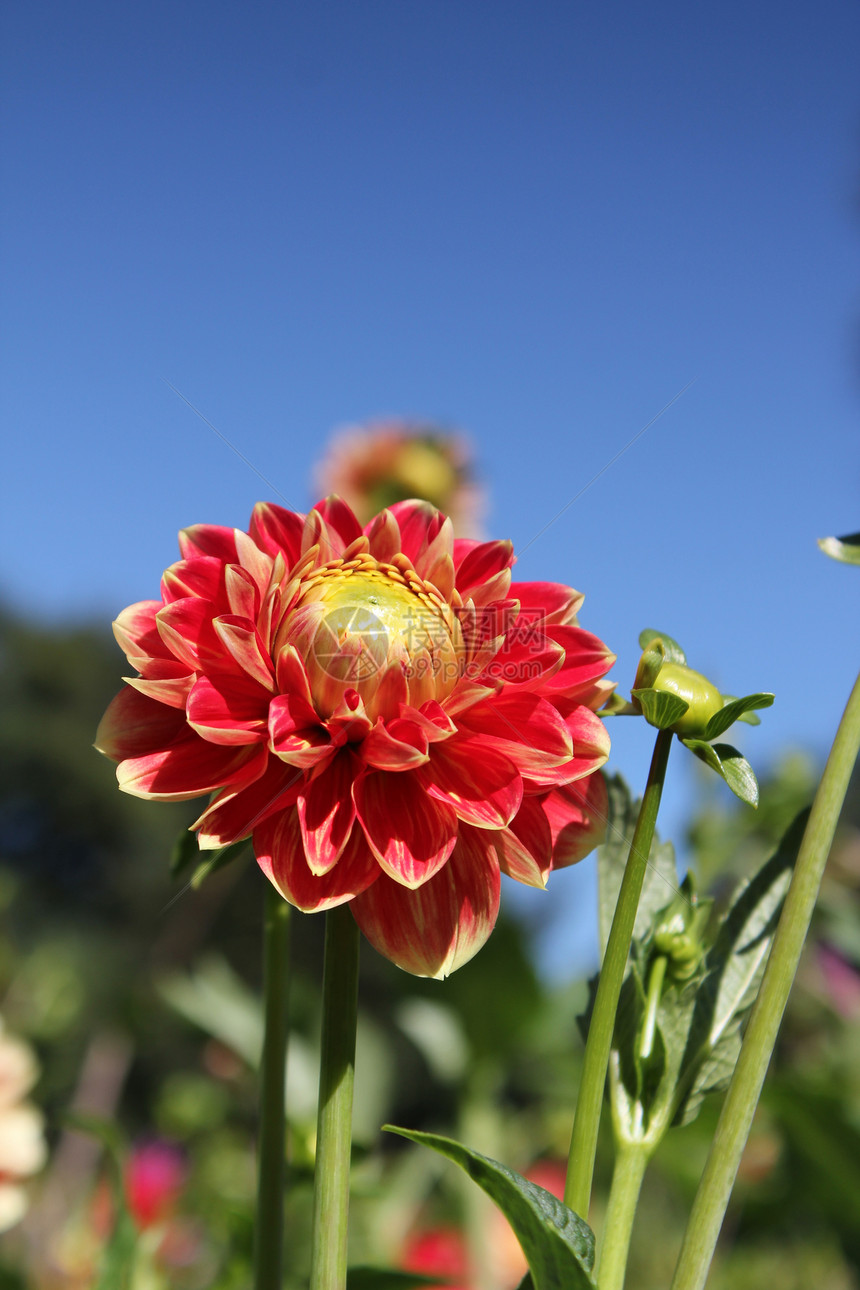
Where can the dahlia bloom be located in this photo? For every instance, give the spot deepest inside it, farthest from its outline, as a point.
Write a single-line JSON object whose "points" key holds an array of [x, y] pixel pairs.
{"points": [[391, 720]]}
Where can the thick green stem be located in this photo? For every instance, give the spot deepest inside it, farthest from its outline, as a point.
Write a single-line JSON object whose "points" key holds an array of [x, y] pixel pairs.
{"points": [[334, 1117], [269, 1225], [630, 1165], [583, 1145], [730, 1139]]}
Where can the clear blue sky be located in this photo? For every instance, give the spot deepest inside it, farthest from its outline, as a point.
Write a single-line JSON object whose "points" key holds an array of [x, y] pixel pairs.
{"points": [[537, 222]]}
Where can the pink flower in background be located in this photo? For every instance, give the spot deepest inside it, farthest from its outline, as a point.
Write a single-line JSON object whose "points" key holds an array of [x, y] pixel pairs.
{"points": [[155, 1175], [375, 465], [392, 720], [439, 1252]]}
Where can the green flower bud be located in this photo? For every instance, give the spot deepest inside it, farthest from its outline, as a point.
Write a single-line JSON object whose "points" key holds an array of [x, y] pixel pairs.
{"points": [[703, 697], [680, 933]]}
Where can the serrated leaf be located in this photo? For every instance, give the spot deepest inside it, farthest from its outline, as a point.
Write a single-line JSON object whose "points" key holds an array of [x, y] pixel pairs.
{"points": [[366, 1278], [846, 549], [671, 649], [558, 1244], [730, 765], [734, 711], [733, 971], [659, 708], [660, 884]]}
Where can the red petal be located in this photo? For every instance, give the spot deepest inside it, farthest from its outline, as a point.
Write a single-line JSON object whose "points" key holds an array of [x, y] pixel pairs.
{"points": [[590, 739], [438, 927], [228, 710], [254, 561], [419, 522], [185, 627], [136, 724], [411, 835], [435, 560], [201, 576], [189, 768], [590, 751], [586, 658], [577, 815], [526, 728], [383, 535], [479, 782], [551, 602], [172, 690], [525, 849], [317, 536], [327, 813], [399, 745], [295, 733], [481, 565], [137, 635], [243, 594], [208, 539], [242, 641], [275, 529], [291, 675], [339, 518], [280, 854], [236, 812]]}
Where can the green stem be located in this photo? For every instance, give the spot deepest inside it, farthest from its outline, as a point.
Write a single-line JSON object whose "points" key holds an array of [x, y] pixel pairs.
{"points": [[655, 989], [271, 1154], [583, 1144], [730, 1139], [334, 1117], [630, 1165]]}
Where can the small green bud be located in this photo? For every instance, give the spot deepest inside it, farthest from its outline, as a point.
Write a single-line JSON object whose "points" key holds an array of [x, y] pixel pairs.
{"points": [[703, 697], [680, 932]]}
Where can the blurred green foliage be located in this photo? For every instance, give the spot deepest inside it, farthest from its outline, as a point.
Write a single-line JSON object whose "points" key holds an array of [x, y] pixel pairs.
{"points": [[142, 1000]]}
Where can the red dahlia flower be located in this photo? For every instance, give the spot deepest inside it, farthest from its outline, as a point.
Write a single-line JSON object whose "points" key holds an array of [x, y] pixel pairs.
{"points": [[391, 720]]}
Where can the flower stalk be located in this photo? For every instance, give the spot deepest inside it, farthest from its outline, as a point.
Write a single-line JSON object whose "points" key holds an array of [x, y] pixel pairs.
{"points": [[631, 1162], [583, 1145], [732, 1131], [271, 1156], [334, 1117]]}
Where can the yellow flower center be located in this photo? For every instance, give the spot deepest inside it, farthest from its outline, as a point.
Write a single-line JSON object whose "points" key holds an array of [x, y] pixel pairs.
{"points": [[364, 617]]}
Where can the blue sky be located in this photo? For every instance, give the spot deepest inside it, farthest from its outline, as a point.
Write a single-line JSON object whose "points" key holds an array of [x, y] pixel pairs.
{"points": [[539, 223]]}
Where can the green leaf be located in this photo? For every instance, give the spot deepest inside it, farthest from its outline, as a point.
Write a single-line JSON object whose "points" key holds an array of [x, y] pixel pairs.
{"points": [[648, 667], [671, 649], [366, 1278], [660, 885], [216, 860], [730, 766], [846, 549], [557, 1243], [734, 711], [185, 853], [659, 708], [733, 971], [616, 706]]}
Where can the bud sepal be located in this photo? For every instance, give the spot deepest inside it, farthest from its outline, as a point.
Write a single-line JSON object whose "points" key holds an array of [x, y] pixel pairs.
{"points": [[673, 696]]}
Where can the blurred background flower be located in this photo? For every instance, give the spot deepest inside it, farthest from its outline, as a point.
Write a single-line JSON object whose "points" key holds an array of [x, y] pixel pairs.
{"points": [[23, 1150], [374, 465]]}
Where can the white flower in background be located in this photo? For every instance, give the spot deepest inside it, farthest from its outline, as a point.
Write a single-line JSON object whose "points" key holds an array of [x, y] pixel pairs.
{"points": [[22, 1140]]}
